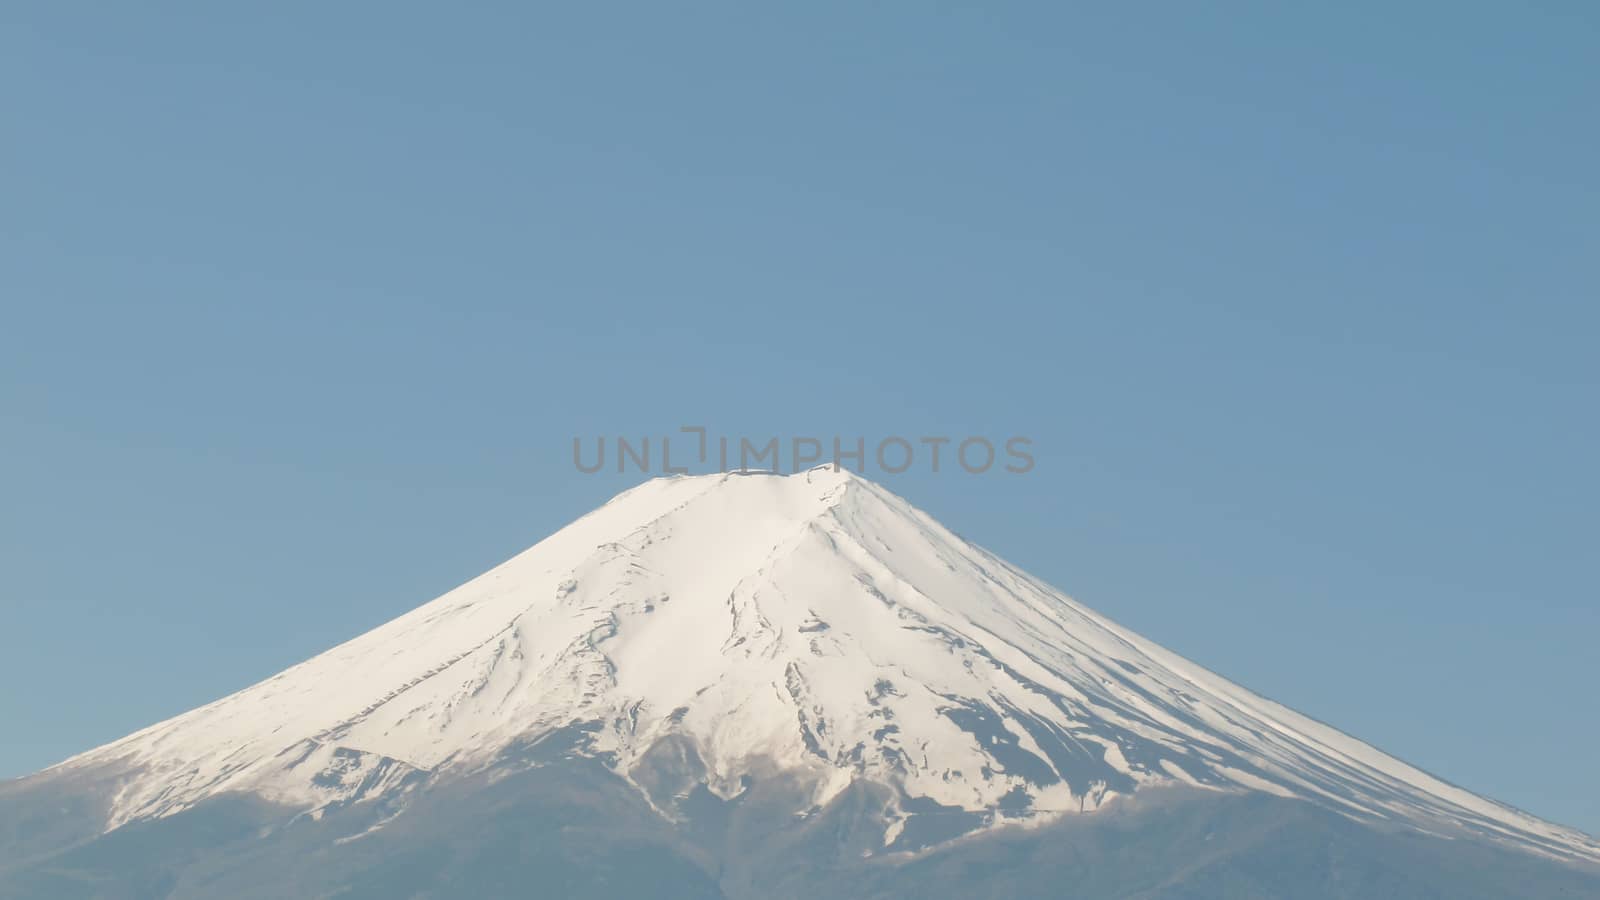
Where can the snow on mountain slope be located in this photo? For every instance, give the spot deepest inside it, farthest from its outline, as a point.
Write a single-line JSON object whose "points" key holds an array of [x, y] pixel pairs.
{"points": [[813, 624]]}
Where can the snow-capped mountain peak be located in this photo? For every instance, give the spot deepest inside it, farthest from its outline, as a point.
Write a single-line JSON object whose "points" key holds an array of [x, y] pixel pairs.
{"points": [[813, 625]]}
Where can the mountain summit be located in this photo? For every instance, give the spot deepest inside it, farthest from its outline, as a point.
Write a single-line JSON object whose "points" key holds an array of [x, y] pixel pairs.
{"points": [[703, 638]]}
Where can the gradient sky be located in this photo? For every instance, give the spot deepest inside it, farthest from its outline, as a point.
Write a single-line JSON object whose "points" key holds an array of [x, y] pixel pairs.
{"points": [[302, 307]]}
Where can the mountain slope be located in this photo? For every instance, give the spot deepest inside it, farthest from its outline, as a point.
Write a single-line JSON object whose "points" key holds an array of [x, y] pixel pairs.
{"points": [[569, 829], [698, 636]]}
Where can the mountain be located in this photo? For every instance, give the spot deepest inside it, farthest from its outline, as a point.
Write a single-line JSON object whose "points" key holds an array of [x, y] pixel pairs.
{"points": [[744, 684]]}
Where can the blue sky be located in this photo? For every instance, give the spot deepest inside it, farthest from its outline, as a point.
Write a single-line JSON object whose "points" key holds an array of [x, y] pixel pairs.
{"points": [[303, 307]]}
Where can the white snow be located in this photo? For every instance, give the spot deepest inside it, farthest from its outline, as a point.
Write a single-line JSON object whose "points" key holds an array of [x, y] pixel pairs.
{"points": [[813, 622]]}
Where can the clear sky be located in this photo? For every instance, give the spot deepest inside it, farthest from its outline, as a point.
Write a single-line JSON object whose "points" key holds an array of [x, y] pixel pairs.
{"points": [[301, 309]]}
